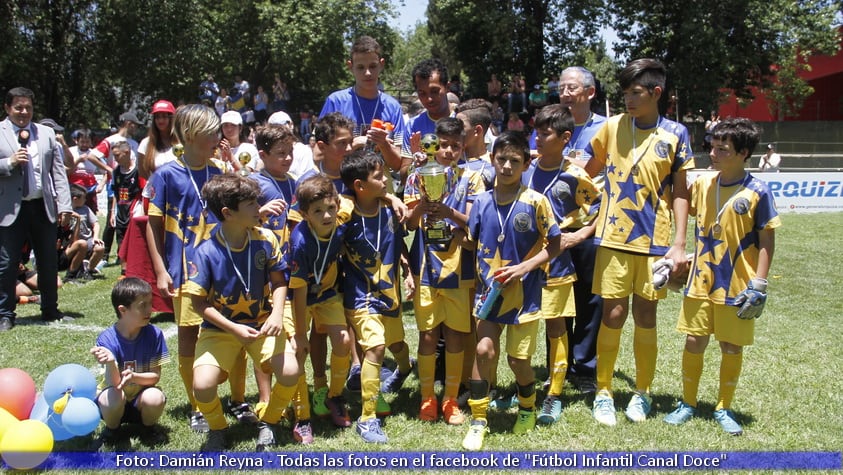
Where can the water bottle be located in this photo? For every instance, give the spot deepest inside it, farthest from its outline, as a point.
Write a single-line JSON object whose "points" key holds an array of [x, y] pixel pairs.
{"points": [[487, 300]]}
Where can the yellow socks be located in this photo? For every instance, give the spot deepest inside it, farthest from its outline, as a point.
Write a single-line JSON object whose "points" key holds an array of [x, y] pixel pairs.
{"points": [[186, 373], [402, 357], [370, 382], [453, 374], [692, 368], [427, 370], [213, 414], [301, 399], [558, 364], [339, 372], [608, 342], [237, 378], [479, 407], [279, 399], [646, 351], [730, 371]]}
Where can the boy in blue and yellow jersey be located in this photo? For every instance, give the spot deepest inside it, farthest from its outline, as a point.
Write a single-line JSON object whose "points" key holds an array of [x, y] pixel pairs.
{"points": [[517, 237], [372, 249], [237, 282], [443, 274], [571, 194], [476, 115], [735, 227], [315, 245], [646, 157], [178, 222]]}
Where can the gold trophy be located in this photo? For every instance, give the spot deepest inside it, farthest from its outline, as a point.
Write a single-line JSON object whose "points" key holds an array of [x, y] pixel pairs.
{"points": [[244, 158], [434, 185]]}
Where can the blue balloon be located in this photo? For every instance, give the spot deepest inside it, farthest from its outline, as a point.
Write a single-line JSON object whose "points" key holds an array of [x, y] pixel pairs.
{"points": [[81, 416], [40, 411], [54, 422], [70, 377]]}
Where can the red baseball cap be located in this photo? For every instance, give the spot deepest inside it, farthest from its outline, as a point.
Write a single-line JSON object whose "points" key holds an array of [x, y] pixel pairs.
{"points": [[163, 106]]}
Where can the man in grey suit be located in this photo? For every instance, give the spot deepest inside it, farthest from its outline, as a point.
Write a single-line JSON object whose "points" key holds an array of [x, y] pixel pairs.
{"points": [[34, 196]]}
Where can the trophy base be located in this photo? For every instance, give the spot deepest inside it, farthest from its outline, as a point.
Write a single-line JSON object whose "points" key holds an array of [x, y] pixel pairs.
{"points": [[438, 236]]}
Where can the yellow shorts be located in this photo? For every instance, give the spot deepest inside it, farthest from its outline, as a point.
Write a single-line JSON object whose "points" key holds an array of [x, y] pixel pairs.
{"points": [[448, 306], [373, 329], [618, 274], [325, 314], [700, 317], [558, 301], [185, 314], [520, 338], [221, 349]]}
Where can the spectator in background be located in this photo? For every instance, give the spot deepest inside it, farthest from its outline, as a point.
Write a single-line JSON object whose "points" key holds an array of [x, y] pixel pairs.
{"points": [[261, 104], [233, 144], [493, 88], [156, 149], [281, 96], [208, 91], [222, 101], [86, 167], [302, 153], [771, 160], [305, 123], [30, 208]]}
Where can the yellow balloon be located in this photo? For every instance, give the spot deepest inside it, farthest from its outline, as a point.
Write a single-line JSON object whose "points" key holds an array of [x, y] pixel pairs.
{"points": [[61, 403], [26, 444], [6, 421]]}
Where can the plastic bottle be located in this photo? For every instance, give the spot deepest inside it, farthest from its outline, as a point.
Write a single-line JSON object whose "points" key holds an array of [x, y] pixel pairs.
{"points": [[487, 300]]}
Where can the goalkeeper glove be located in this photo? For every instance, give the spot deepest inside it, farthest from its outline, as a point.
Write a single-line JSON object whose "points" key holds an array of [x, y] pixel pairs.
{"points": [[661, 272], [751, 301]]}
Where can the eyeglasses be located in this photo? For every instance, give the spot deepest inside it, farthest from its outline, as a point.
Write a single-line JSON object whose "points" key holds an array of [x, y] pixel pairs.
{"points": [[572, 88]]}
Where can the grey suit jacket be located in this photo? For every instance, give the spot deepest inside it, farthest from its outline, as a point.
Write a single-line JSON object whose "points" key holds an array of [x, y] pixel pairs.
{"points": [[53, 176]]}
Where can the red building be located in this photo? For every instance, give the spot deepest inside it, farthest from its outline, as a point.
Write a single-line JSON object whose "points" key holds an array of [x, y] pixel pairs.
{"points": [[826, 104]]}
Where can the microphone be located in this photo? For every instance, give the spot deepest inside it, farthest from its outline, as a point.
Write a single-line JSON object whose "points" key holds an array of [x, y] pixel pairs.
{"points": [[23, 137]]}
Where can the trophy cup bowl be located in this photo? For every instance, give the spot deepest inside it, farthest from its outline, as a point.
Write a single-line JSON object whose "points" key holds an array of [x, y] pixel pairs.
{"points": [[244, 158], [434, 183]]}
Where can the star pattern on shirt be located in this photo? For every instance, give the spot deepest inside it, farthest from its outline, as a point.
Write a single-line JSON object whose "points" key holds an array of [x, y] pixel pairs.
{"points": [[643, 221], [629, 189], [244, 305], [709, 243], [722, 273]]}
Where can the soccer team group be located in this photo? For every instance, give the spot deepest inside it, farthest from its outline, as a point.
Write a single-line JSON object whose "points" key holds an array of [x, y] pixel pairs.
{"points": [[273, 266]]}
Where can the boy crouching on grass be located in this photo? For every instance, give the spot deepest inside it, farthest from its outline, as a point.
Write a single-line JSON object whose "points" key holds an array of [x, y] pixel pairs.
{"points": [[132, 352], [517, 237], [727, 288], [242, 268]]}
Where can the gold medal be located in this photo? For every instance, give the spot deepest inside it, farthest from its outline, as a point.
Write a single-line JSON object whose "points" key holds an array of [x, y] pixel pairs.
{"points": [[634, 170], [716, 229], [501, 237]]}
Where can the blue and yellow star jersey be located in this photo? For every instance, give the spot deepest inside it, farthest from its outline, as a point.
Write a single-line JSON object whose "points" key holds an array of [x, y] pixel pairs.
{"points": [[571, 193], [637, 199], [173, 192], [725, 261], [483, 166], [577, 148], [435, 265], [371, 261], [213, 274], [530, 224], [274, 189], [311, 255]]}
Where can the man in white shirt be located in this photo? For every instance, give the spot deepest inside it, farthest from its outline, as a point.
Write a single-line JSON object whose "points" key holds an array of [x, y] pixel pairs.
{"points": [[771, 160]]}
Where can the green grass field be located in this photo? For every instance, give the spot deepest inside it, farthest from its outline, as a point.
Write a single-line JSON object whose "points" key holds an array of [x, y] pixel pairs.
{"points": [[789, 396]]}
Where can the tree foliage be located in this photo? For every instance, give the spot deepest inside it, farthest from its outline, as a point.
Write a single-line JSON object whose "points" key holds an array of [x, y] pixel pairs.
{"points": [[88, 61]]}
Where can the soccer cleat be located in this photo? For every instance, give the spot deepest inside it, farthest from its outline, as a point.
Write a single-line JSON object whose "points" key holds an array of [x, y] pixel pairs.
{"points": [[339, 412], [504, 402], [682, 414], [451, 412], [303, 432], [525, 422], [353, 381], [603, 409], [198, 423], [382, 408], [551, 410], [319, 408], [215, 442], [243, 412], [474, 438], [393, 383], [727, 421], [371, 432], [429, 410], [639, 407], [266, 437]]}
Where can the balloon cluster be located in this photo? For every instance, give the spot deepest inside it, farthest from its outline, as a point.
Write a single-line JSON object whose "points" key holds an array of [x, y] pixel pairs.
{"points": [[30, 423]]}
